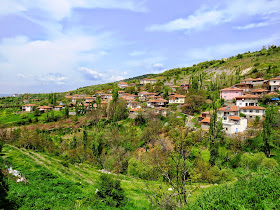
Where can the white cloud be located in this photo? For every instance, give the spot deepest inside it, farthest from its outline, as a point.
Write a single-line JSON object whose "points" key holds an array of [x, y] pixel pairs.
{"points": [[115, 78], [90, 74], [63, 8], [56, 78], [228, 12]]}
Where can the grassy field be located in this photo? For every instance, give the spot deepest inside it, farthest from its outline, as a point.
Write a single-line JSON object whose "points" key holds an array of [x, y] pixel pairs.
{"points": [[56, 184]]}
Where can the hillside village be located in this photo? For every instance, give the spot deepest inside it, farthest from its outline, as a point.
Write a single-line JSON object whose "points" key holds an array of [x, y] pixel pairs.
{"points": [[240, 102], [209, 132]]}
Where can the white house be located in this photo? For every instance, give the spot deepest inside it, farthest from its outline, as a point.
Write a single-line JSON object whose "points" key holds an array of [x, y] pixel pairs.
{"points": [[177, 99], [231, 120], [234, 124], [157, 102], [133, 104], [254, 82], [247, 100], [122, 85], [274, 84], [148, 81], [252, 111], [162, 111], [29, 107]]}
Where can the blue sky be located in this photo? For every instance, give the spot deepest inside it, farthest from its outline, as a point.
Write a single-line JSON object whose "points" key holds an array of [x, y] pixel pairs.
{"points": [[50, 45]]}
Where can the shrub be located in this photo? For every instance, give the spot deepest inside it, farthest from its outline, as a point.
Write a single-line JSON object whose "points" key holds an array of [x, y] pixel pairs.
{"points": [[257, 161], [110, 192]]}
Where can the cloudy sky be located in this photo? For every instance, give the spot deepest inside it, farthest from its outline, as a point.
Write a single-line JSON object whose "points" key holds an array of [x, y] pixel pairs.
{"points": [[51, 45]]}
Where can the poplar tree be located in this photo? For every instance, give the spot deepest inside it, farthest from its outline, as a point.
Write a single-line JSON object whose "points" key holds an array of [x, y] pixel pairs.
{"points": [[215, 135]]}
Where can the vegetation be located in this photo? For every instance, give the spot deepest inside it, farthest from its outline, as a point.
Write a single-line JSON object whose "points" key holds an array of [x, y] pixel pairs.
{"points": [[104, 158]]}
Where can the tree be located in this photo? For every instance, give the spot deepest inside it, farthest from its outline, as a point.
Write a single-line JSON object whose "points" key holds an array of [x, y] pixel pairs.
{"points": [[174, 166], [115, 95], [66, 111], [110, 191], [215, 135], [98, 101], [267, 133]]}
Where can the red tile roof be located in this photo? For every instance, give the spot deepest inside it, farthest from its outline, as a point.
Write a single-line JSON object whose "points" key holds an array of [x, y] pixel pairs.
{"points": [[234, 118], [253, 107], [205, 120], [247, 96], [229, 109], [259, 90], [231, 89]]}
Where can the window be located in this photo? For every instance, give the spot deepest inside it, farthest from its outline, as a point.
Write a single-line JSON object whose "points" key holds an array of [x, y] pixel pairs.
{"points": [[225, 118], [257, 111], [226, 129], [244, 110], [251, 111], [251, 116]]}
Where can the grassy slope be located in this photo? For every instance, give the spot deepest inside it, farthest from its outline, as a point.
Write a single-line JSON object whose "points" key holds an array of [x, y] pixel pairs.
{"points": [[54, 185]]}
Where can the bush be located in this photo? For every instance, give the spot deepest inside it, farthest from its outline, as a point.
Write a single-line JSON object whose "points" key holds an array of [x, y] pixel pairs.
{"points": [[110, 192], [256, 161], [261, 191]]}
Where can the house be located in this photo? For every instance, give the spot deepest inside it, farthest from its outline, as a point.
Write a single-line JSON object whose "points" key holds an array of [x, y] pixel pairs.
{"points": [[147, 81], [160, 102], [29, 107], [129, 97], [274, 84], [205, 123], [185, 87], [254, 82], [247, 100], [15, 95], [174, 88], [134, 112], [89, 99], [133, 104], [25, 101], [206, 114], [58, 108], [162, 111], [230, 93], [98, 93], [107, 97], [76, 98], [259, 91], [44, 108], [121, 92], [122, 85], [146, 96], [231, 120], [177, 99], [252, 112], [234, 124], [246, 87], [228, 111]]}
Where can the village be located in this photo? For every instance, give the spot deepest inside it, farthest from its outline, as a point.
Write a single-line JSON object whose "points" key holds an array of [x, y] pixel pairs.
{"points": [[240, 102]]}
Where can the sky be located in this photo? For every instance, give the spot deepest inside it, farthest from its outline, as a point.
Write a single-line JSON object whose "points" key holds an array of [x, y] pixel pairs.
{"points": [[57, 46]]}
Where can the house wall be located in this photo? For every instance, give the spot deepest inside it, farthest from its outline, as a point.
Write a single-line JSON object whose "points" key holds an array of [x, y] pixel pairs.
{"points": [[252, 113], [205, 126], [177, 101], [229, 95], [246, 102], [231, 128]]}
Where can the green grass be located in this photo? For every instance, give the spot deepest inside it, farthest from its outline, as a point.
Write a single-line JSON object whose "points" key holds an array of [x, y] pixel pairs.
{"points": [[52, 185]]}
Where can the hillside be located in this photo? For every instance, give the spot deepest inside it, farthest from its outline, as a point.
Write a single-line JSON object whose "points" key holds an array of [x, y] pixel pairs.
{"points": [[199, 137], [264, 63]]}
